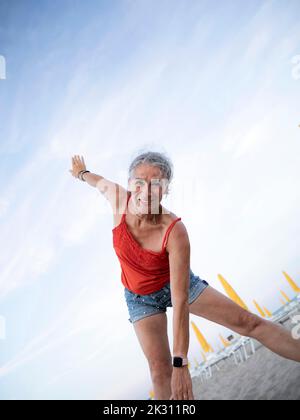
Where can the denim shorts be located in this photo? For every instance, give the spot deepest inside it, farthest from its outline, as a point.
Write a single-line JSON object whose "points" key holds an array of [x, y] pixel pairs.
{"points": [[142, 306]]}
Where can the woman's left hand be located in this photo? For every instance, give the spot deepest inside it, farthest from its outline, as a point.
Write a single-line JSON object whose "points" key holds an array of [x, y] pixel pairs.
{"points": [[181, 384]]}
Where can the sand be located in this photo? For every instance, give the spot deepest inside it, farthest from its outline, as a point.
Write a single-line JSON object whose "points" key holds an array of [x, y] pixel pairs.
{"points": [[265, 376]]}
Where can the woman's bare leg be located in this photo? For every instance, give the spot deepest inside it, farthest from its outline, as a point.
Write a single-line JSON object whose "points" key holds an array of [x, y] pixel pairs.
{"points": [[152, 333], [216, 307]]}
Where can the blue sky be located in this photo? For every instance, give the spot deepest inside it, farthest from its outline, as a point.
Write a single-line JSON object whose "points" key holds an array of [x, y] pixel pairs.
{"points": [[210, 83]]}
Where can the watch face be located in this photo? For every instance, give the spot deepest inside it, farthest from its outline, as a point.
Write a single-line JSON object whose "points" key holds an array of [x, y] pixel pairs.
{"points": [[177, 362]]}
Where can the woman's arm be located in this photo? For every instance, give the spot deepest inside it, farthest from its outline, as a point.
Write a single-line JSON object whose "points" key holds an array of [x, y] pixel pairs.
{"points": [[179, 260], [113, 192]]}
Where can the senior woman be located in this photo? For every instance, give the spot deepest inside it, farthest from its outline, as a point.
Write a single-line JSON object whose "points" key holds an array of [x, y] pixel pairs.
{"points": [[153, 248]]}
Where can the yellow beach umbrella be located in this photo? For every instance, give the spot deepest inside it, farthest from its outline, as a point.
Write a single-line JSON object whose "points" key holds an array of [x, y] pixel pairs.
{"points": [[232, 293], [225, 342], [269, 314], [204, 344], [291, 282], [285, 296], [259, 309], [282, 302], [204, 356], [196, 363]]}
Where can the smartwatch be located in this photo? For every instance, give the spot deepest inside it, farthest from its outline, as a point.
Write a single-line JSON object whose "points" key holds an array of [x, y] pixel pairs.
{"points": [[179, 362]]}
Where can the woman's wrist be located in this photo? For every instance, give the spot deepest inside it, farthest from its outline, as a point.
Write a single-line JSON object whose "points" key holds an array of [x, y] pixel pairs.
{"points": [[91, 178], [81, 174]]}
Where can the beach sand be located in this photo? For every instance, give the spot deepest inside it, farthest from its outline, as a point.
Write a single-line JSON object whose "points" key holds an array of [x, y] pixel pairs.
{"points": [[265, 376]]}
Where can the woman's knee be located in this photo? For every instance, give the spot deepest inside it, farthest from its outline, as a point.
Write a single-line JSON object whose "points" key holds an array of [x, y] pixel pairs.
{"points": [[249, 324], [161, 370]]}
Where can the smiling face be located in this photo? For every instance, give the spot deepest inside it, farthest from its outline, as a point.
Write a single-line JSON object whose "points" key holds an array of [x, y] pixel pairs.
{"points": [[147, 187]]}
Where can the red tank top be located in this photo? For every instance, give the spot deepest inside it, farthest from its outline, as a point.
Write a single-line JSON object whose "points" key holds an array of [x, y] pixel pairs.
{"points": [[143, 271]]}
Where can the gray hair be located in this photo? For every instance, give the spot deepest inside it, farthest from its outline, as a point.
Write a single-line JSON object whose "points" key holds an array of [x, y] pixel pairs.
{"points": [[160, 160]]}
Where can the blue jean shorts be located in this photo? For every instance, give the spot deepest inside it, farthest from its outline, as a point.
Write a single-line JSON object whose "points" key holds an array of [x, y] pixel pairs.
{"points": [[142, 306]]}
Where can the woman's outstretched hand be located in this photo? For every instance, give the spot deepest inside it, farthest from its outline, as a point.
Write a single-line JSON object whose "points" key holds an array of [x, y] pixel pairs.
{"points": [[78, 165]]}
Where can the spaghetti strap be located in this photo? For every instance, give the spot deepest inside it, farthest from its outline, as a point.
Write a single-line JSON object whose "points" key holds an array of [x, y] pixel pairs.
{"points": [[168, 231]]}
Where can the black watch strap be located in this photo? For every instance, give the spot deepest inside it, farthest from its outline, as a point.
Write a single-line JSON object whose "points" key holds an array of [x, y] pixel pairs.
{"points": [[179, 361]]}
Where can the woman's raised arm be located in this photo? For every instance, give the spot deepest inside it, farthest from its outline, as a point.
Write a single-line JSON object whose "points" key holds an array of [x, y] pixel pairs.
{"points": [[113, 192]]}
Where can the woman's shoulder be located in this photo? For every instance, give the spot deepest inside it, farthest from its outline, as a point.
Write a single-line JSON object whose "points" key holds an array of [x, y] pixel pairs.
{"points": [[178, 229], [169, 217]]}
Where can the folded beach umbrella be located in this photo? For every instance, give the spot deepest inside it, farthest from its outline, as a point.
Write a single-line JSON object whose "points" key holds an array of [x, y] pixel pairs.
{"points": [[269, 314], [232, 293], [285, 296], [291, 282], [225, 342], [259, 309], [282, 302], [204, 344]]}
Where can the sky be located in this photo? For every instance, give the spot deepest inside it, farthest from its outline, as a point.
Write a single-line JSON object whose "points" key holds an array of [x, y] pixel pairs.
{"points": [[215, 85]]}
